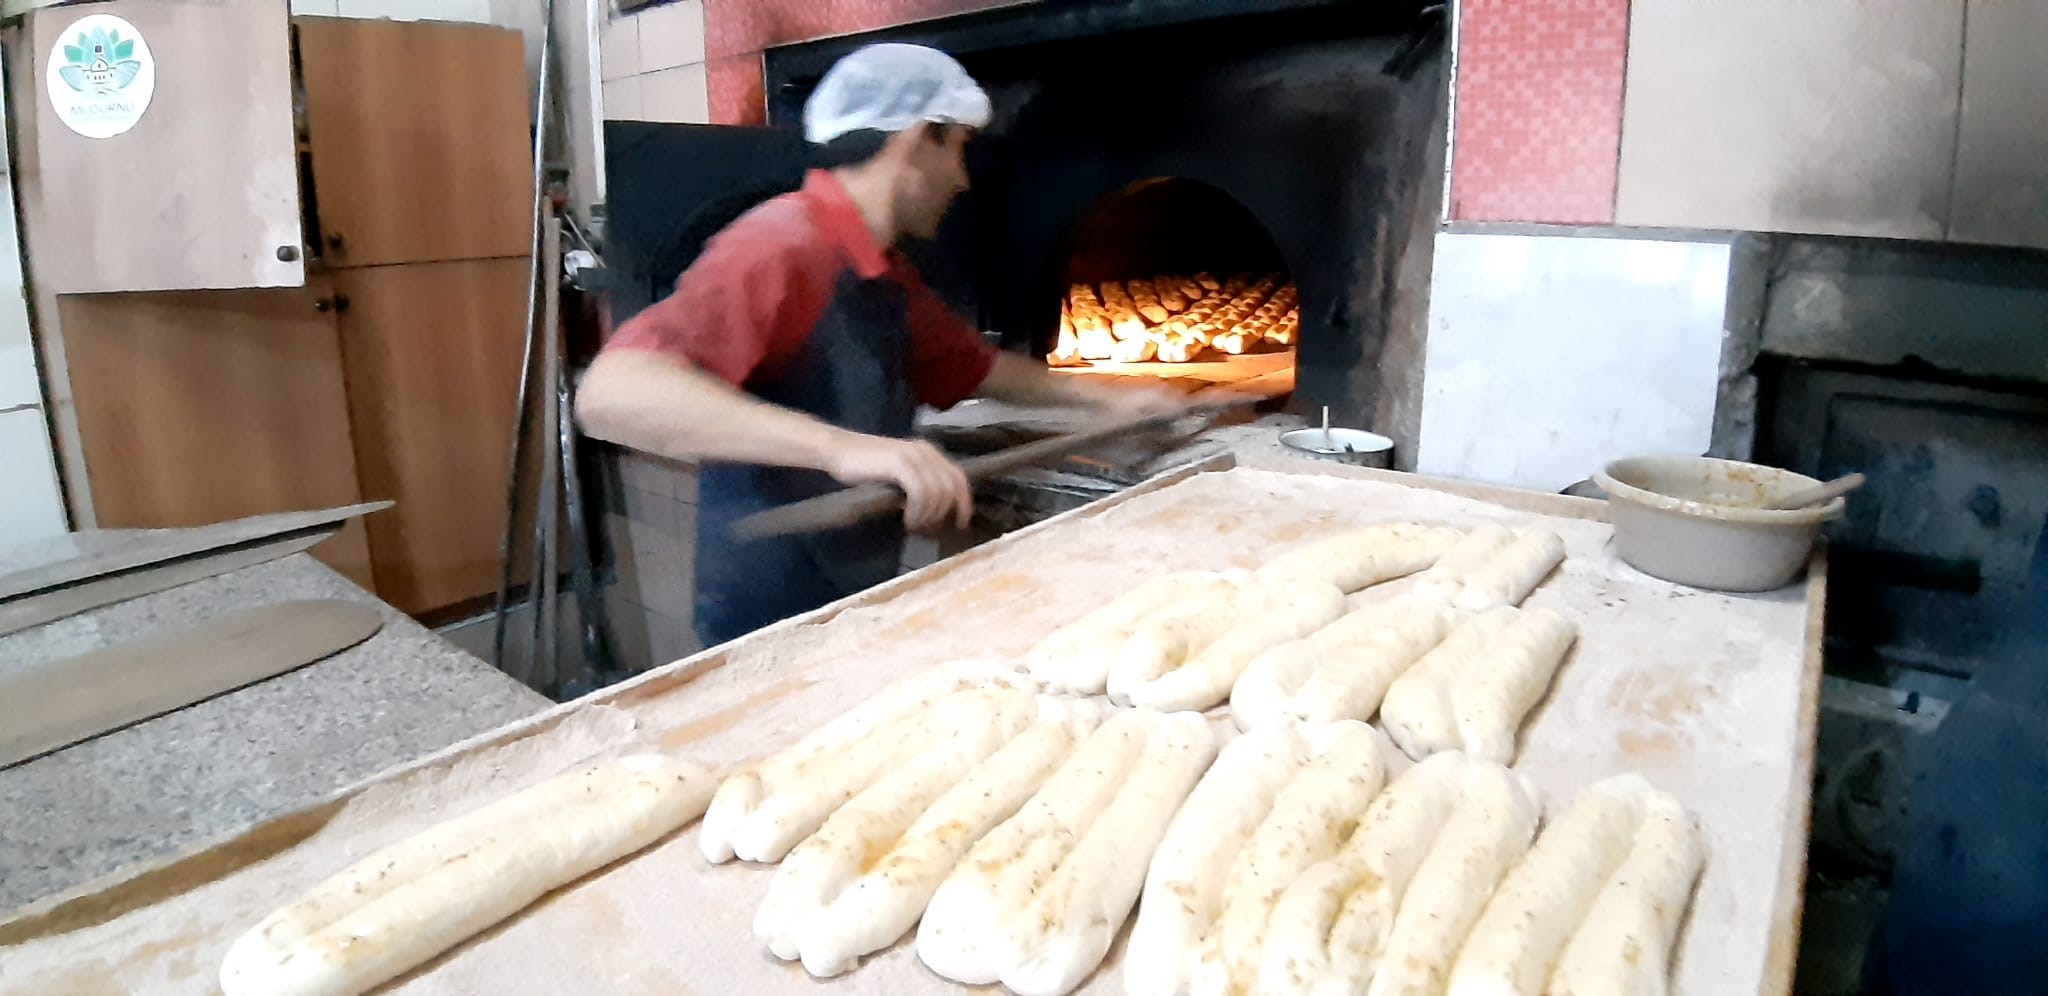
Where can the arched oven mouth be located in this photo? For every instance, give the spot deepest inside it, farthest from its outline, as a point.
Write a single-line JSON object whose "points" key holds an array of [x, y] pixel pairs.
{"points": [[1174, 278], [1176, 319]]}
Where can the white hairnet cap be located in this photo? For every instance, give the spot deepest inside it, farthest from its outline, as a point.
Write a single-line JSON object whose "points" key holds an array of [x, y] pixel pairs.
{"points": [[892, 87]]}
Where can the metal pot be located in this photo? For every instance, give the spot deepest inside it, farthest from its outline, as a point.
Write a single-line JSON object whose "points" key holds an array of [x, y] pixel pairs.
{"points": [[1352, 446]]}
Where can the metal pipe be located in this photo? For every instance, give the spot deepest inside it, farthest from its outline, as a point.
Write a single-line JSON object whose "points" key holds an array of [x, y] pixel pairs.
{"points": [[542, 95], [596, 664], [547, 511]]}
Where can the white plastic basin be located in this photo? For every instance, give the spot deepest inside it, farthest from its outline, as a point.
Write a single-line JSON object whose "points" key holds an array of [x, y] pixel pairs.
{"points": [[1701, 521]]}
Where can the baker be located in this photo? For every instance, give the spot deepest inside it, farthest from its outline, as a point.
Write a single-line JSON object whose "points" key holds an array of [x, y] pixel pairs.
{"points": [[793, 352]]}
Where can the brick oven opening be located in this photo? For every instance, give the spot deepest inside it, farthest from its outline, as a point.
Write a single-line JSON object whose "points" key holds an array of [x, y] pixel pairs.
{"points": [[1173, 278], [1284, 142]]}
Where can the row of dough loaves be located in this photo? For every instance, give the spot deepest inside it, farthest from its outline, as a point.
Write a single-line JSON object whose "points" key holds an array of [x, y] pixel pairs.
{"points": [[1448, 664], [1288, 871], [1011, 829], [1015, 832]]}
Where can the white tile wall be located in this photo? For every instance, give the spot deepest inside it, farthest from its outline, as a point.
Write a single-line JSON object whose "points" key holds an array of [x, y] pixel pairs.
{"points": [[622, 99], [1828, 116], [31, 506], [1549, 356], [31, 501], [653, 65], [19, 385], [676, 96], [619, 48], [671, 35], [652, 527]]}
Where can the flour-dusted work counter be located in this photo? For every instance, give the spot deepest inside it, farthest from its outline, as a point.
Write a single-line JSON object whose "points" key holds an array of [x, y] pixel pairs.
{"points": [[153, 790], [1710, 697]]}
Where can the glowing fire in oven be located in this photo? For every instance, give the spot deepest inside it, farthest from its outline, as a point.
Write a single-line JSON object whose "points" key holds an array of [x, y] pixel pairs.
{"points": [[1175, 319]]}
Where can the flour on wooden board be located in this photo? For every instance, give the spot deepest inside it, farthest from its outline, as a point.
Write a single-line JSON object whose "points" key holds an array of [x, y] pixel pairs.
{"points": [[1697, 691]]}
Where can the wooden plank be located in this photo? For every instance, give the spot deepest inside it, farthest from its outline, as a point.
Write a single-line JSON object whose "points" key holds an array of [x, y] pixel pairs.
{"points": [[1781, 964], [55, 704], [1212, 368], [418, 137], [855, 504], [218, 131], [155, 548], [811, 678], [432, 352], [34, 610], [199, 406]]}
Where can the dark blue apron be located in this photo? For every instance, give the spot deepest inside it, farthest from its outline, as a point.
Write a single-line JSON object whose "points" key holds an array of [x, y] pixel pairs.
{"points": [[853, 371]]}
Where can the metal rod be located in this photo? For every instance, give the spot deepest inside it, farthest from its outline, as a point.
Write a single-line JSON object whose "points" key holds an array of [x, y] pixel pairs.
{"points": [[547, 512], [595, 666], [541, 103]]}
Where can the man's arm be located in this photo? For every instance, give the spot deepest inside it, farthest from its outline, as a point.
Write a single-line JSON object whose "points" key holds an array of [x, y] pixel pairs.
{"points": [[1021, 380], [648, 400]]}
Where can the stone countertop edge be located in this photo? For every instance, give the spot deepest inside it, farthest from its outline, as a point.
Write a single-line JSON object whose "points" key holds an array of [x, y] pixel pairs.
{"points": [[218, 766]]}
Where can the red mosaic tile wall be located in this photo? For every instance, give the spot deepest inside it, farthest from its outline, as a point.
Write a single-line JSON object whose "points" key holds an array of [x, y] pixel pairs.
{"points": [[735, 89], [1539, 110], [736, 32]]}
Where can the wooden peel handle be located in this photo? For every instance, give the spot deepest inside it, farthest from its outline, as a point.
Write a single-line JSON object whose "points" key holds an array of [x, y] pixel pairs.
{"points": [[867, 501]]}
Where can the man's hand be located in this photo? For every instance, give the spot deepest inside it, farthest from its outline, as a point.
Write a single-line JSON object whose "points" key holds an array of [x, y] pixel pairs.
{"points": [[934, 489]]}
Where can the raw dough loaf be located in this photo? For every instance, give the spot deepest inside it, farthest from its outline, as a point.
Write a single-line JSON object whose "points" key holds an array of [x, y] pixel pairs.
{"points": [[1472, 692], [1342, 670], [1163, 642], [406, 904], [967, 728], [1075, 658], [1364, 557], [1511, 574], [1624, 946], [874, 886], [1184, 888], [1486, 835], [1255, 621], [1329, 926], [1446, 578], [1311, 818], [1036, 904], [760, 813], [1542, 901]]}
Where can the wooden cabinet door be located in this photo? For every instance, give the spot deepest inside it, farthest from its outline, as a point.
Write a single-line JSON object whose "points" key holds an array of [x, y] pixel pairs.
{"points": [[432, 352], [419, 140], [201, 190], [194, 407]]}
